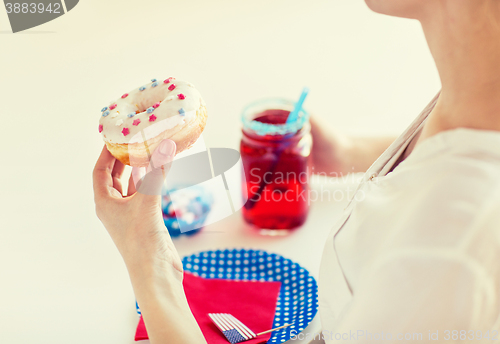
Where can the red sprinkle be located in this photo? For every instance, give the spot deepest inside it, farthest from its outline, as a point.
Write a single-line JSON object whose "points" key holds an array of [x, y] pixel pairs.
{"points": [[171, 88], [181, 96], [100, 128], [125, 95], [166, 81], [152, 118], [112, 106], [125, 131], [156, 105], [136, 122]]}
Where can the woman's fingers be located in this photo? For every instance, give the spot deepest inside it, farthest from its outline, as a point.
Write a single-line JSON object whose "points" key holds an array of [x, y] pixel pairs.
{"points": [[137, 174], [101, 175], [131, 186], [108, 172], [117, 173]]}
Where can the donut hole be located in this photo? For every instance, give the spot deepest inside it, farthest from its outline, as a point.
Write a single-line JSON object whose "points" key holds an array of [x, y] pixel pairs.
{"points": [[148, 100]]}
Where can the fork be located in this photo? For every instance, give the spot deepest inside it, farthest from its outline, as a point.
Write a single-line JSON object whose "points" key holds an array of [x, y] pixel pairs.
{"points": [[234, 330]]}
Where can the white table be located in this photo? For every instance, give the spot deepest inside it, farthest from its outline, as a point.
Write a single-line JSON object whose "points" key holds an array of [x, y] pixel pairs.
{"points": [[303, 246], [61, 278]]}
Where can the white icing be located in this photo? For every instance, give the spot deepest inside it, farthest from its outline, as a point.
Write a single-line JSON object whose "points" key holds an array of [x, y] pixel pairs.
{"points": [[167, 114], [157, 128]]}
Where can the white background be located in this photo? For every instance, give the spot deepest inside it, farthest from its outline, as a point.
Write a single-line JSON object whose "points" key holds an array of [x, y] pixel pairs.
{"points": [[61, 279]]}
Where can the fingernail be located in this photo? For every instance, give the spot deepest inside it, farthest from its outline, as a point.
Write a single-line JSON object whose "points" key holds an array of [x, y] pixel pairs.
{"points": [[167, 148]]}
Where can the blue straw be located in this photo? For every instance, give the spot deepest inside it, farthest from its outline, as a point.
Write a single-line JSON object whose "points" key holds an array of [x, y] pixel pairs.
{"points": [[292, 117]]}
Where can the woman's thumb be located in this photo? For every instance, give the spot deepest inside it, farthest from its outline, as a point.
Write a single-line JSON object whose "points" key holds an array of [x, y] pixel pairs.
{"points": [[159, 165], [163, 154]]}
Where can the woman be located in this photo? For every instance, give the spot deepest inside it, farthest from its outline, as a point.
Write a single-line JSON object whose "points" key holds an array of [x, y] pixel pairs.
{"points": [[417, 257]]}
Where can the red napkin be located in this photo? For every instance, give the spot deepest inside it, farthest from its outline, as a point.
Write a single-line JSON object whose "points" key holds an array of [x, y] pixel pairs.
{"points": [[253, 303]]}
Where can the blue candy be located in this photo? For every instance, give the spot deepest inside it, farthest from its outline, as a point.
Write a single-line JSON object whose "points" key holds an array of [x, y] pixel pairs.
{"points": [[154, 84], [105, 114], [191, 216], [151, 109], [104, 109], [142, 88], [153, 80], [182, 112], [130, 115]]}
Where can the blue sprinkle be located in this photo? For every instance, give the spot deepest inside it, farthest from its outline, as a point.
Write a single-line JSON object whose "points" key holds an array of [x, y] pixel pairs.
{"points": [[154, 84], [182, 112], [142, 88], [105, 114], [151, 109], [153, 80], [130, 115], [104, 109]]}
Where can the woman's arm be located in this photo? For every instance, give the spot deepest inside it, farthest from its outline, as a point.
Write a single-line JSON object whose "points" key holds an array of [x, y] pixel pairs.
{"points": [[335, 154], [135, 224], [166, 313]]}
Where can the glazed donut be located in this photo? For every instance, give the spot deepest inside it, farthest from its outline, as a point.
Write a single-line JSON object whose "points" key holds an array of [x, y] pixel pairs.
{"points": [[135, 124]]}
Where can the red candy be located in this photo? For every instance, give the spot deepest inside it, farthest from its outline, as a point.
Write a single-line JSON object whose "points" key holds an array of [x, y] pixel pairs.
{"points": [[152, 118], [156, 105], [136, 122], [100, 128], [171, 87], [125, 131], [112, 106], [125, 95], [181, 96], [166, 81]]}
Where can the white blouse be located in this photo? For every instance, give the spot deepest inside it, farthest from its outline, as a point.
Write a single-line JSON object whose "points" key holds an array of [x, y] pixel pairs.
{"points": [[416, 255]]}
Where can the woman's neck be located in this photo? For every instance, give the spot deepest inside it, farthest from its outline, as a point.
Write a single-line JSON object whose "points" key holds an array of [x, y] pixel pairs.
{"points": [[465, 44]]}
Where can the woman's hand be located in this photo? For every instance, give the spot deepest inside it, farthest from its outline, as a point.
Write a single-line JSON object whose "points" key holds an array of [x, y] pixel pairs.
{"points": [[135, 224], [330, 149], [335, 154]]}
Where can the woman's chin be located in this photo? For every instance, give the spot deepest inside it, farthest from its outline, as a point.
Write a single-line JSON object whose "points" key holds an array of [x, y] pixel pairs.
{"points": [[396, 8]]}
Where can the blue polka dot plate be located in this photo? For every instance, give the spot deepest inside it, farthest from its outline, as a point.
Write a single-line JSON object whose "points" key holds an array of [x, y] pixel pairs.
{"points": [[298, 298]]}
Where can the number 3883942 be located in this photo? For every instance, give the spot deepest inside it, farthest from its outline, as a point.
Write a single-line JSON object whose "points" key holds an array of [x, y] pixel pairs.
{"points": [[32, 7]]}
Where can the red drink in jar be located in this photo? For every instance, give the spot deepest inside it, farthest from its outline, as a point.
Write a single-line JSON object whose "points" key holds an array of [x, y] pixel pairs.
{"points": [[276, 162]]}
